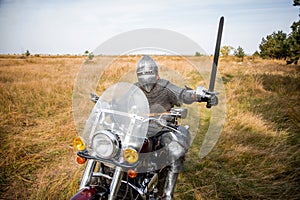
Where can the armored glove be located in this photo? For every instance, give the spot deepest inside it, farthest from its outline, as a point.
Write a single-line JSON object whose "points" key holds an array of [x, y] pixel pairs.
{"points": [[204, 95]]}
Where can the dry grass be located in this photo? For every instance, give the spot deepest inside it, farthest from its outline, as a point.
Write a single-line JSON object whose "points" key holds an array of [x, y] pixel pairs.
{"points": [[36, 126], [257, 156]]}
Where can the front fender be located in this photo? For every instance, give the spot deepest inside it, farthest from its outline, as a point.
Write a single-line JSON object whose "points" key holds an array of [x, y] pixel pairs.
{"points": [[91, 193]]}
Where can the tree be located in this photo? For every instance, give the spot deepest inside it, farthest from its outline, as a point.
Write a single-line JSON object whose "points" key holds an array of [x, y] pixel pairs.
{"points": [[86, 52], [293, 42], [225, 50], [239, 52], [296, 3], [274, 46], [255, 54], [91, 56], [27, 53], [198, 53], [279, 45]]}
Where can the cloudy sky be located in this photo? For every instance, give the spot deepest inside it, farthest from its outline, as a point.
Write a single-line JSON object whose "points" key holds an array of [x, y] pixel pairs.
{"points": [[73, 26]]}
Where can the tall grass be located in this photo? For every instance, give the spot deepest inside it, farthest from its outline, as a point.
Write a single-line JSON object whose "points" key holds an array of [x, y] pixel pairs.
{"points": [[258, 154], [256, 157], [36, 126]]}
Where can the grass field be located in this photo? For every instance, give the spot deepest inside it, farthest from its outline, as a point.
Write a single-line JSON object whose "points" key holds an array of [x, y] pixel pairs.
{"points": [[256, 157]]}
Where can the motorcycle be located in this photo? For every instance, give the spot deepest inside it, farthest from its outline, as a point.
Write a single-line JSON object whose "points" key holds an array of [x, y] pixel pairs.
{"points": [[122, 147]]}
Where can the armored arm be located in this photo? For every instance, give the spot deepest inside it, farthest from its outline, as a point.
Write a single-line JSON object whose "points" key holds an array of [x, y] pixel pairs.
{"points": [[188, 95], [184, 95]]}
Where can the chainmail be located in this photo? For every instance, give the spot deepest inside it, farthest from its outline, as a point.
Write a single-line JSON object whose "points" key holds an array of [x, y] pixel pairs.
{"points": [[161, 99]]}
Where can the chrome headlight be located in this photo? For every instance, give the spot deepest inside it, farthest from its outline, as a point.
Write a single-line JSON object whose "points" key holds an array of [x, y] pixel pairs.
{"points": [[105, 144]]}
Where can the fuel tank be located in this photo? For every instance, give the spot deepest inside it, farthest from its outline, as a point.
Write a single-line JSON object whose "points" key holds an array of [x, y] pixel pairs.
{"points": [[147, 146]]}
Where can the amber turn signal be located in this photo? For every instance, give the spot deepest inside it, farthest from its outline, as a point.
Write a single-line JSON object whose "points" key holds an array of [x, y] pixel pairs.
{"points": [[80, 160], [131, 173], [130, 155], [79, 144]]}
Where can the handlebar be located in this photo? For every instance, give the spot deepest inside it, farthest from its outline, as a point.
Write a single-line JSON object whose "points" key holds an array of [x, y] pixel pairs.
{"points": [[175, 112]]}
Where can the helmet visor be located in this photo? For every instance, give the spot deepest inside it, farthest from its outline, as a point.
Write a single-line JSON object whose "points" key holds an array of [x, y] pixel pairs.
{"points": [[147, 81]]}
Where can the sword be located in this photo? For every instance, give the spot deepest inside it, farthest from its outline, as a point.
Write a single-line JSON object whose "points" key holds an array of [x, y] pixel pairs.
{"points": [[216, 59]]}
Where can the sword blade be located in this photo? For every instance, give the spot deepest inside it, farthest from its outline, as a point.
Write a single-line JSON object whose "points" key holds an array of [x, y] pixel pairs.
{"points": [[216, 57]]}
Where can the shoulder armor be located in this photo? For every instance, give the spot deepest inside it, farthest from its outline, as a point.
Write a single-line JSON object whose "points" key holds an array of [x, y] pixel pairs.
{"points": [[163, 82]]}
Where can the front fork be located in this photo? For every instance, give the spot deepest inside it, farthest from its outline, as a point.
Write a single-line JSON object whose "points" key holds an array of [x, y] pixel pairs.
{"points": [[88, 173], [115, 182]]}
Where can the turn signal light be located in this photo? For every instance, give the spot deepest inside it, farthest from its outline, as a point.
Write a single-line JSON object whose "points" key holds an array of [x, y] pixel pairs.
{"points": [[79, 144], [130, 155], [80, 160], [131, 173]]}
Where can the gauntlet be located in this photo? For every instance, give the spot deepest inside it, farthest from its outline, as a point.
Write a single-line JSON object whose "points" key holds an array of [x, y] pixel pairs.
{"points": [[203, 95]]}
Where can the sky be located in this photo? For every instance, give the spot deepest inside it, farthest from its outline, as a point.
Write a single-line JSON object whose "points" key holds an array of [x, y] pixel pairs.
{"points": [[74, 26]]}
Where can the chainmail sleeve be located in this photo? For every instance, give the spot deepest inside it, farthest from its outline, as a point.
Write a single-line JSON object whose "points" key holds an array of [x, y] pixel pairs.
{"points": [[184, 95]]}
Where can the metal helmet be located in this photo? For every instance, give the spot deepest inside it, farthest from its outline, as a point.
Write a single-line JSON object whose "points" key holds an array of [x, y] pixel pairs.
{"points": [[147, 72]]}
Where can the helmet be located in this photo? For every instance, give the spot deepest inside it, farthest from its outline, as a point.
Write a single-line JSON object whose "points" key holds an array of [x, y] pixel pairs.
{"points": [[147, 72]]}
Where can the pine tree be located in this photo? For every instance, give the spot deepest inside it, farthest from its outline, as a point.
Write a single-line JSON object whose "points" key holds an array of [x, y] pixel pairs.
{"points": [[239, 52]]}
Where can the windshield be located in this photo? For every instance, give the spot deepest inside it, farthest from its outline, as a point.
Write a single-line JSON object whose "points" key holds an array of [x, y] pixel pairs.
{"points": [[123, 109]]}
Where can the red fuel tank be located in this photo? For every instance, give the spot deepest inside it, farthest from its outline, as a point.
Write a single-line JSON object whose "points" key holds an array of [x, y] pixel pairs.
{"points": [[147, 146]]}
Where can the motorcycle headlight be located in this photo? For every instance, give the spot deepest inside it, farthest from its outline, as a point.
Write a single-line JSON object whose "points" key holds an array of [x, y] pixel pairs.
{"points": [[105, 144]]}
